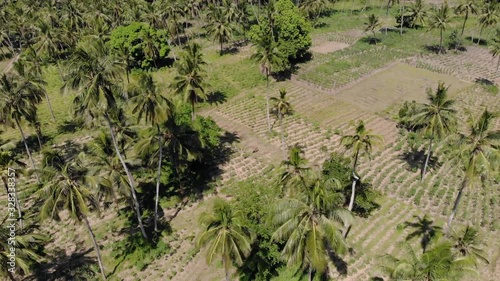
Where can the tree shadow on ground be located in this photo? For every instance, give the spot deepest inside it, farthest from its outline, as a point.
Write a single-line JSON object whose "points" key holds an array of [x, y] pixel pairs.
{"points": [[60, 266], [371, 40], [424, 228], [415, 160], [484, 82], [70, 126], [216, 98], [339, 263], [482, 42], [436, 49], [32, 142]]}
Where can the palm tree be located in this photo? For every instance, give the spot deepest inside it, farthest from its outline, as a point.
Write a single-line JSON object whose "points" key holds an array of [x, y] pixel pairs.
{"points": [[65, 189], [226, 236], [488, 17], [296, 168], [436, 119], [282, 107], [308, 224], [440, 19], [465, 9], [425, 228], [268, 56], [495, 52], [468, 244], [479, 153], [362, 141], [438, 263], [95, 79], [220, 29], [189, 81], [418, 13], [17, 99], [155, 108], [28, 249], [372, 24]]}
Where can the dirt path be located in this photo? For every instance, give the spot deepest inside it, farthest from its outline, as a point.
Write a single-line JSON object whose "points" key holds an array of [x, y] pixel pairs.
{"points": [[10, 64]]}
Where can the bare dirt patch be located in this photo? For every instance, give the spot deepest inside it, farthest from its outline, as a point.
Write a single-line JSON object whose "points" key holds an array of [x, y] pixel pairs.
{"points": [[329, 47], [394, 85]]}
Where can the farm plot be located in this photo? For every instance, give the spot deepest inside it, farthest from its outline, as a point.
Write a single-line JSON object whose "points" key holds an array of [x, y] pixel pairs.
{"points": [[475, 63], [394, 85]]}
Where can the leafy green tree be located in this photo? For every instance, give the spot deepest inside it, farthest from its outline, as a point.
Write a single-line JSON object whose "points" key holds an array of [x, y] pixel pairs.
{"points": [[190, 78], [478, 152], [282, 107], [64, 188], [155, 108], [308, 224], [95, 80], [291, 30], [439, 19], [224, 235], [488, 17], [144, 44], [437, 119], [469, 7]]}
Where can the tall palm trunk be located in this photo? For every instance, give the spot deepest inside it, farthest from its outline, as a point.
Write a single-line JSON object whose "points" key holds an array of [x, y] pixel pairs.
{"points": [[354, 179], [480, 34], [441, 40], [96, 247], [283, 145], [192, 110], [455, 205], [310, 273], [465, 20], [226, 268], [267, 101], [27, 149], [160, 143], [129, 176], [50, 106], [427, 158]]}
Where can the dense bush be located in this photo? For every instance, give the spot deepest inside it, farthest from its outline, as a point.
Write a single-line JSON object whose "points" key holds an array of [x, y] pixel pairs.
{"points": [[145, 45]]}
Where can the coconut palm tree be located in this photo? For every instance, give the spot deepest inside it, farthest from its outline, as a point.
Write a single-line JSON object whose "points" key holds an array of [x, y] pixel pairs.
{"points": [[425, 228], [29, 244], [360, 143], [467, 243], [17, 100], [478, 153], [439, 19], [418, 13], [190, 79], [372, 23], [96, 81], [296, 169], [220, 28], [268, 56], [437, 263], [488, 17], [495, 52], [437, 119], [65, 188], [155, 108], [282, 107], [309, 225], [469, 7], [225, 235]]}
